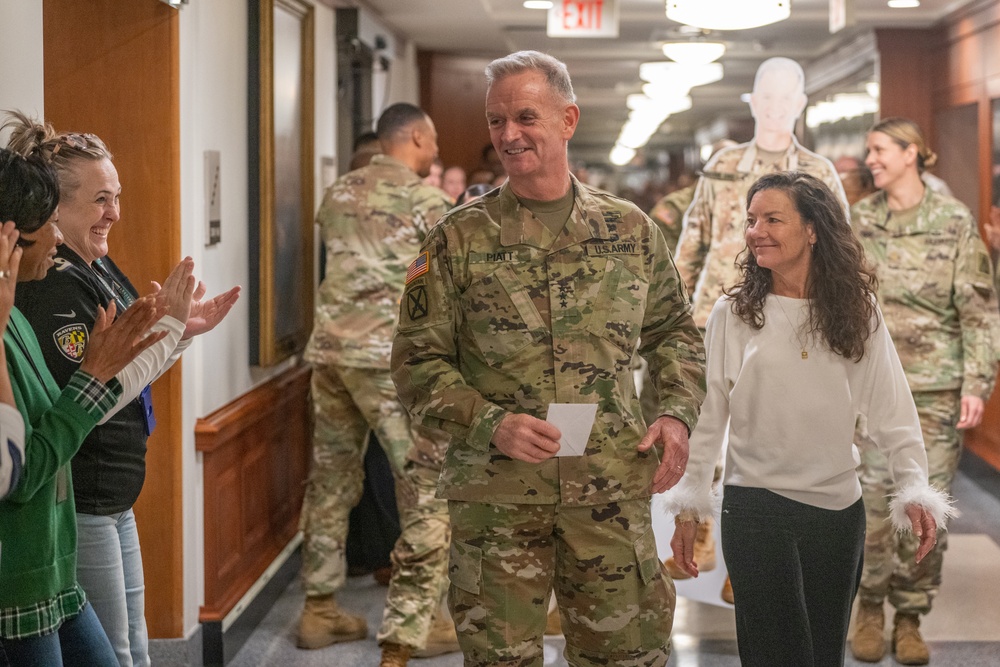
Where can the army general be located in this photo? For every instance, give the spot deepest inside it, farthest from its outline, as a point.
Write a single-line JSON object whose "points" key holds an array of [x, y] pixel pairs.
{"points": [[540, 293]]}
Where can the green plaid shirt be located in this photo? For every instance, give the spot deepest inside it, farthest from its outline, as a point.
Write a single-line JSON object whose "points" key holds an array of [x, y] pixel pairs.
{"points": [[44, 617]]}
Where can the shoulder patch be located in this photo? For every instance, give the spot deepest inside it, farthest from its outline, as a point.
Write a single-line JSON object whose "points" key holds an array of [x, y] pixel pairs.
{"points": [[416, 302], [417, 268], [71, 341]]}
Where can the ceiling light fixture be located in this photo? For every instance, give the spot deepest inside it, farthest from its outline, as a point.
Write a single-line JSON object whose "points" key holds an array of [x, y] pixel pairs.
{"points": [[903, 4], [671, 73], [694, 53], [537, 4], [728, 14], [621, 155]]}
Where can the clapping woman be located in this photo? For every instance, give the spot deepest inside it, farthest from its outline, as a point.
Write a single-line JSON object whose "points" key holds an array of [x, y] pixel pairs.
{"points": [[45, 618]]}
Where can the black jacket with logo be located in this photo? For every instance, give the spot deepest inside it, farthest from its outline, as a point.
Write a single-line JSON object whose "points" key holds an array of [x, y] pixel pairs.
{"points": [[110, 468]]}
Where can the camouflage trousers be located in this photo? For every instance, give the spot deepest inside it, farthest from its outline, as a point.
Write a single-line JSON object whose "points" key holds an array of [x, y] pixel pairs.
{"points": [[348, 402], [890, 568], [616, 606], [419, 562]]}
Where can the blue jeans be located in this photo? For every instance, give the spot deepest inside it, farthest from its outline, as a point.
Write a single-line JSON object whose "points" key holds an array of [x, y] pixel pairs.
{"points": [[109, 569], [79, 641]]}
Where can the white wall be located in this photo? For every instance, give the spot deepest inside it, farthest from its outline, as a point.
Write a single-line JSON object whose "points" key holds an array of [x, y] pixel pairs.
{"points": [[213, 66], [21, 68]]}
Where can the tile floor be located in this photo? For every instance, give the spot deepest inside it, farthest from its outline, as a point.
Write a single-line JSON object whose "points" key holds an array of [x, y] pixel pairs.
{"points": [[963, 630]]}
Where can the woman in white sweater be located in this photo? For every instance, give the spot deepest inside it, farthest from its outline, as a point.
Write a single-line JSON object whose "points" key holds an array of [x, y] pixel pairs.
{"points": [[796, 352]]}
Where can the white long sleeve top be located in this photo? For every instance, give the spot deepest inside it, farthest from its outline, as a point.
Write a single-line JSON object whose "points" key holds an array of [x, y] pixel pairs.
{"points": [[153, 362], [791, 420], [11, 447]]}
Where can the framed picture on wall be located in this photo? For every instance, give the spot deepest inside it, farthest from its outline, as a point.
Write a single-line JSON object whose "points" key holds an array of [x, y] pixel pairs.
{"points": [[281, 178]]}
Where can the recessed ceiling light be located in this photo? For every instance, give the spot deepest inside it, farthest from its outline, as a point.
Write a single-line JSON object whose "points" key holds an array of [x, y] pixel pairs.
{"points": [[537, 4], [904, 4]]}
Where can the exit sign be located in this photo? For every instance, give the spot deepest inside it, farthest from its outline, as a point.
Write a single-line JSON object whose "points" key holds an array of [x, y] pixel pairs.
{"points": [[583, 18]]}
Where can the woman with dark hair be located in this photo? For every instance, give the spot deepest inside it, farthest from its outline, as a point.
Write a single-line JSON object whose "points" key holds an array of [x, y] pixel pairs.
{"points": [[45, 618], [796, 352], [110, 467], [936, 290]]}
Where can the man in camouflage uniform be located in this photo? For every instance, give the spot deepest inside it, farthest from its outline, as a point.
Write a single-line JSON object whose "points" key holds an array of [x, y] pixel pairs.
{"points": [[712, 235], [538, 293], [937, 296], [373, 220]]}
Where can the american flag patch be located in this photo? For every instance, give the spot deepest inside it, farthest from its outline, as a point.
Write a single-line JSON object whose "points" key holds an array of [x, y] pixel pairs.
{"points": [[417, 268]]}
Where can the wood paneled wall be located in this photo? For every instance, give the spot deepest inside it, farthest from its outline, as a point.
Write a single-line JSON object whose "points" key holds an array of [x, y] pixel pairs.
{"points": [[968, 49], [926, 73], [453, 93], [256, 453], [111, 68]]}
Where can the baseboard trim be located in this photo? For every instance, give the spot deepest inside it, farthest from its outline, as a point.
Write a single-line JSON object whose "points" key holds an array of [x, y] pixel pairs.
{"points": [[979, 471], [222, 640]]}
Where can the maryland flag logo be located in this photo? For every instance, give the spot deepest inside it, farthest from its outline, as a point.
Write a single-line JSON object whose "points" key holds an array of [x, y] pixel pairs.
{"points": [[71, 341]]}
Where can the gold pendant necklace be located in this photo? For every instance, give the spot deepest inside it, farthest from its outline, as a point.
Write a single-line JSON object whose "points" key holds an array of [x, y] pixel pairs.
{"points": [[795, 330]]}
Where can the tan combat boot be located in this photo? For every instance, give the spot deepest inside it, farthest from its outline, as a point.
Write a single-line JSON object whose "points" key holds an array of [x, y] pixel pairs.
{"points": [[553, 623], [907, 644], [324, 623], [704, 553], [441, 639], [394, 655], [868, 642], [727, 592]]}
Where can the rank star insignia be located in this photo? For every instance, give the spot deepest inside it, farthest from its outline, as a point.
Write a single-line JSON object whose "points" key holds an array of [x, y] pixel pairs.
{"points": [[71, 341], [416, 302]]}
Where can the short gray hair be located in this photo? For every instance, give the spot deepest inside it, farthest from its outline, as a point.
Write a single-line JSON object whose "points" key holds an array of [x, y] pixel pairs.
{"points": [[554, 70]]}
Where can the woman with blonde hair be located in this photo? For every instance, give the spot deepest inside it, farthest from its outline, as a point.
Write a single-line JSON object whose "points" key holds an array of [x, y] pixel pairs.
{"points": [[110, 468], [936, 291]]}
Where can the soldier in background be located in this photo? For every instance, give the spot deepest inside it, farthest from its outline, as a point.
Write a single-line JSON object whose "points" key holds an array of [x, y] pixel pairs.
{"points": [[371, 219], [538, 293], [712, 235], [937, 296]]}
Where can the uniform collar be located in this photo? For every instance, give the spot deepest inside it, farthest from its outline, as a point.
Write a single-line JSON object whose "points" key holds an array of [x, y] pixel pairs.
{"points": [[921, 223], [788, 162], [519, 227], [384, 160]]}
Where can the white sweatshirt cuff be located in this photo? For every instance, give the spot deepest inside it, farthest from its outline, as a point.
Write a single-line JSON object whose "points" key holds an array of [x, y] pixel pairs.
{"points": [[936, 503], [690, 502]]}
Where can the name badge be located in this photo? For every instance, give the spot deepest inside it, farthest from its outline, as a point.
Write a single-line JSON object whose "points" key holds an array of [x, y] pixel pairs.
{"points": [[146, 399], [620, 248]]}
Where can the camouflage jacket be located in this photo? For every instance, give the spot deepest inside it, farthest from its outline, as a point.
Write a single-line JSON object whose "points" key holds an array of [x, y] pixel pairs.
{"points": [[668, 214], [372, 220], [500, 316], [712, 236], [936, 291]]}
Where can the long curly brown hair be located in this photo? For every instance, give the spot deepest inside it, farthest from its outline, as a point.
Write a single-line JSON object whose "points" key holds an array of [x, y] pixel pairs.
{"points": [[841, 284]]}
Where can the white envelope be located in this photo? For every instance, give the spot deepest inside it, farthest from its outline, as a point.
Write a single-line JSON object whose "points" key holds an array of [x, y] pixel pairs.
{"points": [[575, 421]]}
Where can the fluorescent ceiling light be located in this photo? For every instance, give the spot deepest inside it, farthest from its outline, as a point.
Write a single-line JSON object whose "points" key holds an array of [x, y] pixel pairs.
{"points": [[671, 73], [728, 14], [621, 155], [537, 4], [903, 4], [694, 53]]}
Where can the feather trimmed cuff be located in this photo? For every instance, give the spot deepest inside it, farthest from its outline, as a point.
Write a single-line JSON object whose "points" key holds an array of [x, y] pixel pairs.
{"points": [[937, 503], [690, 503]]}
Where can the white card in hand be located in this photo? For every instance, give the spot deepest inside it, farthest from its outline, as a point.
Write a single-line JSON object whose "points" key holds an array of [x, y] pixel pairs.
{"points": [[575, 421]]}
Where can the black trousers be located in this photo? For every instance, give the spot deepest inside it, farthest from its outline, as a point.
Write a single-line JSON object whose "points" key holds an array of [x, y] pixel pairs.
{"points": [[795, 570]]}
